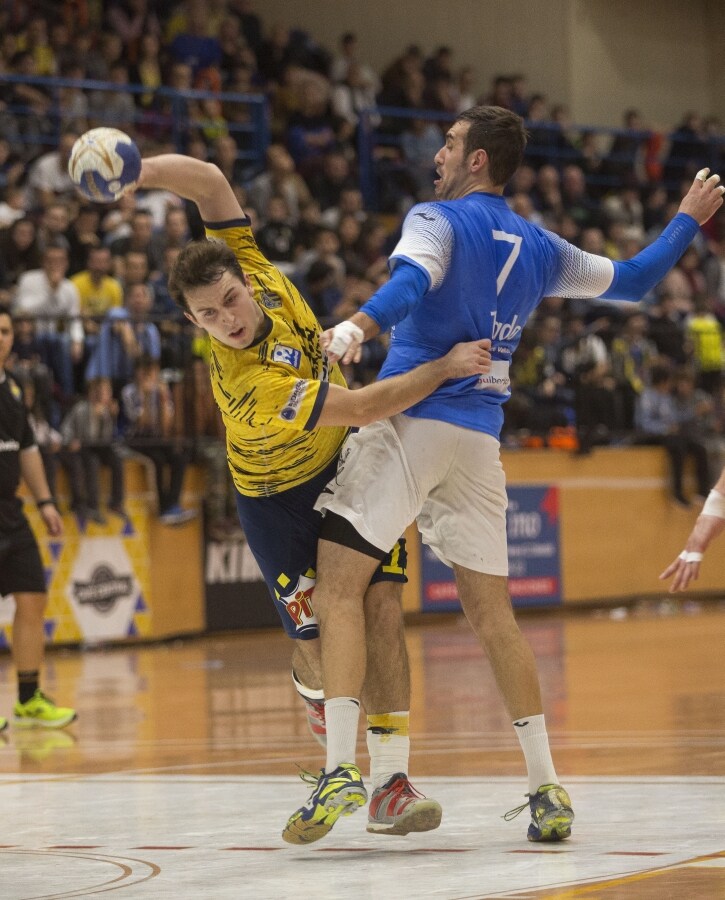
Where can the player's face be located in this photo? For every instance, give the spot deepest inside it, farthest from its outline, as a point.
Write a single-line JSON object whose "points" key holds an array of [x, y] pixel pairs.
{"points": [[451, 165], [6, 338], [227, 310]]}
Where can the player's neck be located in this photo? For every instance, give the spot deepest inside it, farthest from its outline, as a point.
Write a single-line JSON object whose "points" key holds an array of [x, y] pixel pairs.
{"points": [[481, 188]]}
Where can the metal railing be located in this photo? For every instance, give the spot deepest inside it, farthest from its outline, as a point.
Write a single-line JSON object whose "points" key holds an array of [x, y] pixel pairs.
{"points": [[665, 157], [31, 131]]}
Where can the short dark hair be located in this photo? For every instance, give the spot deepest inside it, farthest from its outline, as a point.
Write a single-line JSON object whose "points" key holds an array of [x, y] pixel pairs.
{"points": [[201, 263], [501, 134], [660, 374]]}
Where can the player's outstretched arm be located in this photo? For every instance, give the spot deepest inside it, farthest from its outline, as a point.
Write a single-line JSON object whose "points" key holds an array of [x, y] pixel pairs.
{"points": [[710, 523], [393, 395], [192, 179]]}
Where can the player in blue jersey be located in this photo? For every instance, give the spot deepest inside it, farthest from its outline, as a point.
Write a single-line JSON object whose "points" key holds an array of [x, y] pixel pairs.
{"points": [[465, 267]]}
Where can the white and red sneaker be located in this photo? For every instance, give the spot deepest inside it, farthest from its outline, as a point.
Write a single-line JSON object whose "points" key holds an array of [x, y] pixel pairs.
{"points": [[315, 710], [397, 808]]}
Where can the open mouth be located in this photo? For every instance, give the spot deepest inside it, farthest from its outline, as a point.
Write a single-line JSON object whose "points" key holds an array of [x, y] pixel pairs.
{"points": [[235, 335]]}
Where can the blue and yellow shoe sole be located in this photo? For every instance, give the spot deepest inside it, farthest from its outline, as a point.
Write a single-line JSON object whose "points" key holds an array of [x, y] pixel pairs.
{"points": [[300, 830]]}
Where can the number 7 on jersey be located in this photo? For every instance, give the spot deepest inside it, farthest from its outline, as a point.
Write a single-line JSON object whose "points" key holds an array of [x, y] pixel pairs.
{"points": [[515, 240]]}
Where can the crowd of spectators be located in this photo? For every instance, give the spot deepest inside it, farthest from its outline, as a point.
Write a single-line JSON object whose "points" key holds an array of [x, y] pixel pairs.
{"points": [[98, 336]]}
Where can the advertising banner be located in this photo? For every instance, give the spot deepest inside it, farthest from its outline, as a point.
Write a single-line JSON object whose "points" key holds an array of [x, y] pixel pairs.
{"points": [[97, 578], [532, 525], [236, 595]]}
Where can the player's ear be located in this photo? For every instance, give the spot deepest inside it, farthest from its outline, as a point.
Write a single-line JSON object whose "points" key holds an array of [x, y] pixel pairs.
{"points": [[190, 317], [247, 281], [478, 160]]}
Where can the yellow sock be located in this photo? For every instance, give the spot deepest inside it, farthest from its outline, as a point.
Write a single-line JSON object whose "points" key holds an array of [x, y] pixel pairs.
{"points": [[388, 745]]}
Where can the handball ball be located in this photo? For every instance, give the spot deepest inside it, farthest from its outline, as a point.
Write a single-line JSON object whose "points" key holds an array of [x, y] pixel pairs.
{"points": [[104, 163]]}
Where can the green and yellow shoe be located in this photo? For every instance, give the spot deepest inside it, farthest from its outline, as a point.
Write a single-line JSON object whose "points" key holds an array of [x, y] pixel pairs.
{"points": [[3, 723], [42, 712], [336, 794], [551, 814]]}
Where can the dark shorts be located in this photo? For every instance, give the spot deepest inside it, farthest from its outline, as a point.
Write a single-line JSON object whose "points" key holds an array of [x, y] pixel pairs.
{"points": [[282, 532], [21, 568]]}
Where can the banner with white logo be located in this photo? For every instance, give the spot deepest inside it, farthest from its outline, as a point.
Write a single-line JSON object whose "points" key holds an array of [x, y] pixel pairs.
{"points": [[532, 526], [102, 589]]}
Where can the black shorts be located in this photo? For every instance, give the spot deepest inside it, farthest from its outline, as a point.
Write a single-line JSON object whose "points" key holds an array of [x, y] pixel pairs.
{"points": [[21, 568], [282, 532]]}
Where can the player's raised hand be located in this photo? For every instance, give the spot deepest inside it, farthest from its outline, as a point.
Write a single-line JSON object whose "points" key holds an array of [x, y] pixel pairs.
{"points": [[471, 358], [704, 198]]}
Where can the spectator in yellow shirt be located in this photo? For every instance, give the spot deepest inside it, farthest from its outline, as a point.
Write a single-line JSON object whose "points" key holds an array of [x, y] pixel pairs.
{"points": [[98, 289]]}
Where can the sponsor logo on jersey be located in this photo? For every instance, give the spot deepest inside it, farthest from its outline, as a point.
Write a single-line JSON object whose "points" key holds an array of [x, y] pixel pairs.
{"points": [[270, 300], [497, 379], [288, 356], [292, 407], [505, 331], [9, 446]]}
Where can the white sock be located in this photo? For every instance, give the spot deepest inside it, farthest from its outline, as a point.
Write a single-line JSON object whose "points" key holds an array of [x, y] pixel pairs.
{"points": [[531, 732], [388, 746], [341, 716], [304, 691]]}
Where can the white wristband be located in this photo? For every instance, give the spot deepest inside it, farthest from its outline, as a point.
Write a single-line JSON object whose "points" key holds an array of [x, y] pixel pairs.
{"points": [[714, 505], [343, 334], [691, 556]]}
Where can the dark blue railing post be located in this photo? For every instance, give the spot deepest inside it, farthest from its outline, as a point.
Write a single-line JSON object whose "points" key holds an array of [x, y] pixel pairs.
{"points": [[365, 160]]}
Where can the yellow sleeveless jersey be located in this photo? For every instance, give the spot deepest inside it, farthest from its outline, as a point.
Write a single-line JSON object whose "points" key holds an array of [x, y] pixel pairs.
{"points": [[271, 394]]}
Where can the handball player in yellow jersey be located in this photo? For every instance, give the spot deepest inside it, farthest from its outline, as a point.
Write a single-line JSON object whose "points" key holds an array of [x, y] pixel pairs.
{"points": [[287, 412]]}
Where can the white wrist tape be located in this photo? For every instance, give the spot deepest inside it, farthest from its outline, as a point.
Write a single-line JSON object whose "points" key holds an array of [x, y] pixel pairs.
{"points": [[343, 335], [714, 505], [691, 556]]}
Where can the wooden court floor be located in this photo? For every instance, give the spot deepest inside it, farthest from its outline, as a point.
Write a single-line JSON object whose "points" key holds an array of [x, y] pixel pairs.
{"points": [[186, 751]]}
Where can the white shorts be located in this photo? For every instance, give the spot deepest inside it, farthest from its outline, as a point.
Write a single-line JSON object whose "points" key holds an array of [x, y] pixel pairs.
{"points": [[449, 479]]}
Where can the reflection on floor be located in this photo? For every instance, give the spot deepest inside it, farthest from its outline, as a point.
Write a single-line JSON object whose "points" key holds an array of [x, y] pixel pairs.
{"points": [[179, 775]]}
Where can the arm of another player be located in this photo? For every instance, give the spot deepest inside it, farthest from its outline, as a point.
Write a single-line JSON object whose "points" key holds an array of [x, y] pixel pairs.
{"points": [[633, 278], [192, 179], [31, 468], [710, 523], [588, 275], [390, 304], [393, 395]]}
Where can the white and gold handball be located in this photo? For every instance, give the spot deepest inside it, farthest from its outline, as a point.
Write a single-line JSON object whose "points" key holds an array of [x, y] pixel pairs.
{"points": [[104, 164]]}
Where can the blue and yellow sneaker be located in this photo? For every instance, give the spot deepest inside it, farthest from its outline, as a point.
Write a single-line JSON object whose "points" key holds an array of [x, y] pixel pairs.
{"points": [[551, 813], [41, 711], [338, 793]]}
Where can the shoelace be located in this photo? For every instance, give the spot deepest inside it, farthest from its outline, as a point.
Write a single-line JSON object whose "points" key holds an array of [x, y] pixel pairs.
{"points": [[403, 787], [307, 776], [512, 813]]}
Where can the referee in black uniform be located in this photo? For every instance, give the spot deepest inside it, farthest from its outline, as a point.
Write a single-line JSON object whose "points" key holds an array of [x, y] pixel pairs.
{"points": [[21, 568]]}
